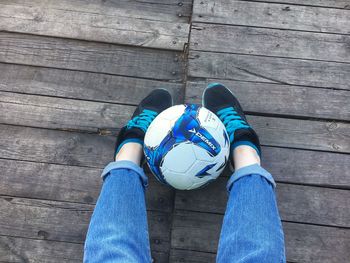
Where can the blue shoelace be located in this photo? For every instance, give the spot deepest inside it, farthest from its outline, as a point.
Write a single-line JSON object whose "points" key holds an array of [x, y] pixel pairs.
{"points": [[143, 120], [232, 121]]}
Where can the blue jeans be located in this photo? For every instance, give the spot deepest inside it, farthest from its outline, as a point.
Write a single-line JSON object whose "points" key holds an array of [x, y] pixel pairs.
{"points": [[251, 232]]}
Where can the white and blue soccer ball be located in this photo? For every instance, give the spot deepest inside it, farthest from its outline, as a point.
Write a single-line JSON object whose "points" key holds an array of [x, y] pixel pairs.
{"points": [[186, 146]]}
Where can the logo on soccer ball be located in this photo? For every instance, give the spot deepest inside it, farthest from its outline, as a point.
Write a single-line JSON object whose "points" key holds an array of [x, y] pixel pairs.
{"points": [[203, 138]]}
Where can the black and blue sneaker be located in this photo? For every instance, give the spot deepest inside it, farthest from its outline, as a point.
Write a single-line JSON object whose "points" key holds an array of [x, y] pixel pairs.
{"points": [[220, 100], [134, 131]]}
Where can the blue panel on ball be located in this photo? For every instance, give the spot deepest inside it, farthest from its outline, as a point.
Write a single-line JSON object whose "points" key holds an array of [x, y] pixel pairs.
{"points": [[156, 155], [222, 165], [186, 129], [204, 171], [226, 138]]}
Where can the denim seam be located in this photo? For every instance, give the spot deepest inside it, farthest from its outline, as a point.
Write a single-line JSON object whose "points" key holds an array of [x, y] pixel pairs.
{"points": [[125, 165], [249, 170]]}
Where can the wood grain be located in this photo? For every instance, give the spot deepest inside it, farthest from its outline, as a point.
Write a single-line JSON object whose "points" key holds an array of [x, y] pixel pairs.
{"points": [[302, 134], [19, 250], [270, 42], [343, 4], [274, 70], [58, 113], [57, 147], [69, 184], [161, 257], [304, 243], [296, 166], [154, 10], [92, 26], [281, 99], [81, 85], [292, 17], [300, 204], [90, 56], [66, 222], [189, 256]]}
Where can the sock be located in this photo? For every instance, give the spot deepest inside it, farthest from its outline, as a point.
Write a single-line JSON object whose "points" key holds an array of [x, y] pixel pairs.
{"points": [[246, 137], [129, 135]]}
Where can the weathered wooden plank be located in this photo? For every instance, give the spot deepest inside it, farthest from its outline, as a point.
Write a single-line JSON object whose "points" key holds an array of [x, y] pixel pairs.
{"points": [[307, 167], [274, 70], [39, 219], [313, 204], [57, 113], [67, 222], [189, 256], [281, 99], [156, 10], [90, 56], [159, 225], [270, 42], [302, 134], [159, 197], [304, 243], [58, 147], [344, 4], [161, 257], [307, 243], [81, 85], [92, 26], [68, 183], [48, 112], [50, 181], [306, 18], [302, 204], [19, 250]]}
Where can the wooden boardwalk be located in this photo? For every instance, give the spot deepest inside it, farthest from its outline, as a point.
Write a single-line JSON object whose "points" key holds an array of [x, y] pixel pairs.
{"points": [[72, 71]]}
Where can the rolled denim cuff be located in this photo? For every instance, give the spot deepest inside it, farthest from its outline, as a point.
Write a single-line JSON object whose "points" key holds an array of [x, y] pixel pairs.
{"points": [[249, 170], [125, 165]]}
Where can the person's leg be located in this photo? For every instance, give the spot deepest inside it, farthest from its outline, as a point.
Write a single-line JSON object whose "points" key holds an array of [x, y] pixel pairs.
{"points": [[118, 228], [252, 230]]}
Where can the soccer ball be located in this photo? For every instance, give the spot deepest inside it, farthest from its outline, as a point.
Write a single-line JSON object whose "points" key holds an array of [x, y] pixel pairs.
{"points": [[186, 147]]}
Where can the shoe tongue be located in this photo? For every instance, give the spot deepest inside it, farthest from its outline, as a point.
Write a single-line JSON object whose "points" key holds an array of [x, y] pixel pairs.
{"points": [[154, 109], [140, 110], [221, 107]]}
